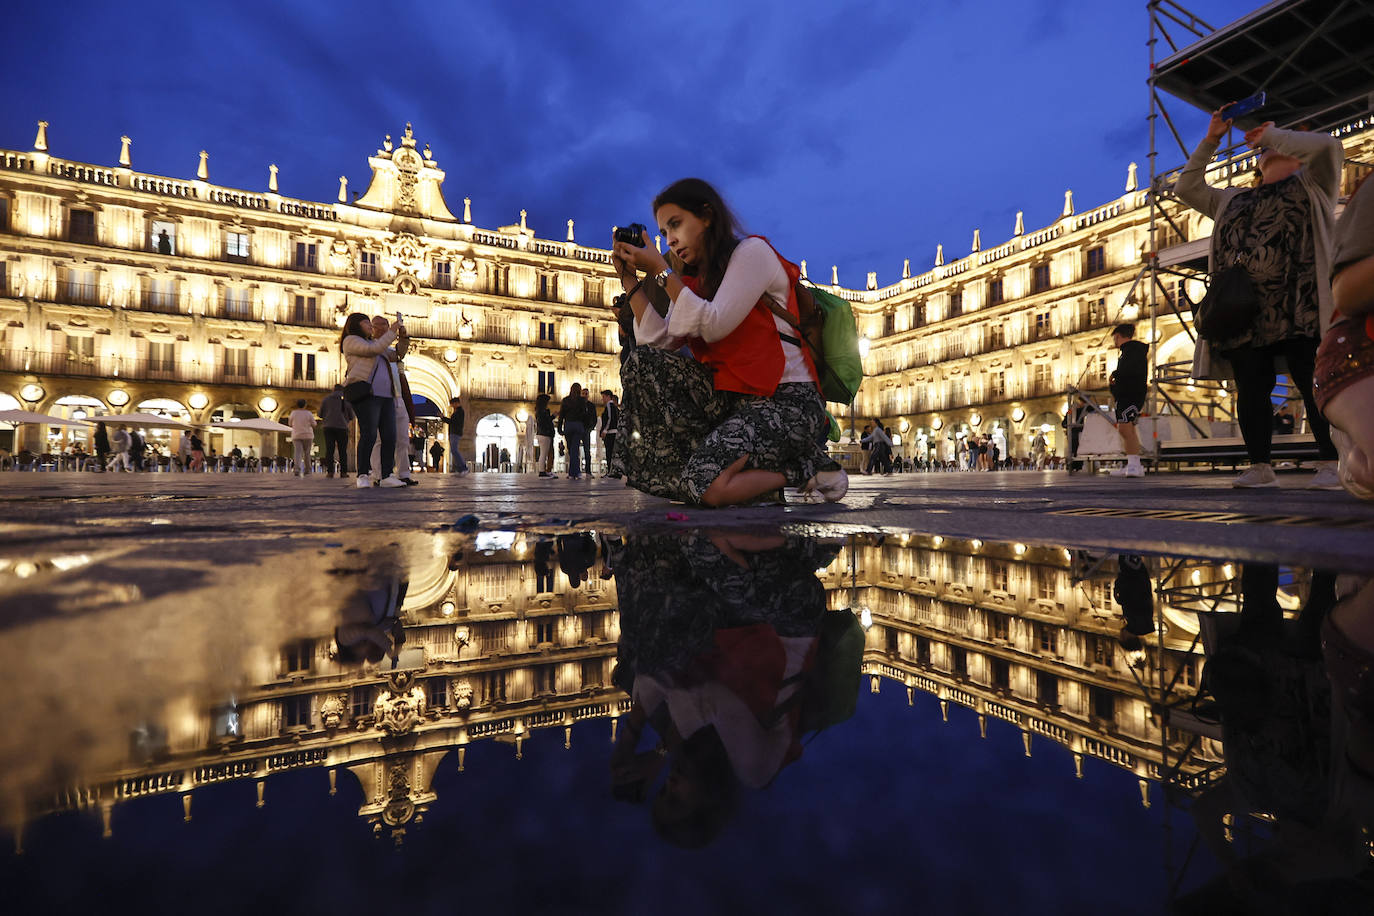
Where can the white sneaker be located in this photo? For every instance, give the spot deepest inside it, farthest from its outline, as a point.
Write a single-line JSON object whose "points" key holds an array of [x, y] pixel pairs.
{"points": [[832, 485], [364, 482], [1326, 478], [392, 481], [1256, 476], [1128, 470]]}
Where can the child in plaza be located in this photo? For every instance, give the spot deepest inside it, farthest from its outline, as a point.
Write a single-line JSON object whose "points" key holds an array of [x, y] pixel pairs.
{"points": [[742, 416]]}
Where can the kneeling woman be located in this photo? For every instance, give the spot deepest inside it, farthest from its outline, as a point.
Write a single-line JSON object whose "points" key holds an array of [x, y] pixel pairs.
{"points": [[741, 416]]}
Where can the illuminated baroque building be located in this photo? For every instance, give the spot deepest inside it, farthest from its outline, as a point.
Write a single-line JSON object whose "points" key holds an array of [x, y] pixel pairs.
{"points": [[236, 311], [495, 652]]}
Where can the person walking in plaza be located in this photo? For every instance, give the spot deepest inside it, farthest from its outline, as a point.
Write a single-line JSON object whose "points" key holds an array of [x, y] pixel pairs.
{"points": [[1040, 450], [121, 442], [543, 435], [403, 406], [366, 359], [1128, 384], [138, 446], [879, 450], [335, 414], [572, 425], [610, 422], [436, 457], [1280, 233], [197, 453], [184, 450], [999, 448], [302, 423], [741, 417], [456, 421], [102, 446]]}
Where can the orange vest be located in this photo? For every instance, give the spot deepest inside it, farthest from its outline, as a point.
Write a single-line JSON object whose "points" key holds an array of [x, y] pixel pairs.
{"points": [[750, 360]]}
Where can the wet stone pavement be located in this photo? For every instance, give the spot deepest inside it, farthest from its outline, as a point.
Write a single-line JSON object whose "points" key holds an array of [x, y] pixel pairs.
{"points": [[961, 693]]}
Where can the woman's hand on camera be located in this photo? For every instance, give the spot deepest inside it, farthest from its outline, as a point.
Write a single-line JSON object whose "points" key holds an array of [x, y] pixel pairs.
{"points": [[1219, 124], [646, 258]]}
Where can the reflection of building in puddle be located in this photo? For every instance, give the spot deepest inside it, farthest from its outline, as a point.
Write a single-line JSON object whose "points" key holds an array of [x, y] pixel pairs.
{"points": [[498, 645], [1035, 636]]}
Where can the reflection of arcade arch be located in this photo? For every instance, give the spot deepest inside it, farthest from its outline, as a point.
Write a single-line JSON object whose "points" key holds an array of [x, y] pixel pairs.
{"points": [[430, 583], [495, 431]]}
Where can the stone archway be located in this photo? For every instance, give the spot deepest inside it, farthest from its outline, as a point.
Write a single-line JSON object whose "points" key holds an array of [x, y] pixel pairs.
{"points": [[495, 432]]}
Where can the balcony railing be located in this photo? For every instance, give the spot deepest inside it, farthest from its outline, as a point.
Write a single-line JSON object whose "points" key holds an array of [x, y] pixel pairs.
{"points": [[163, 303], [57, 363]]}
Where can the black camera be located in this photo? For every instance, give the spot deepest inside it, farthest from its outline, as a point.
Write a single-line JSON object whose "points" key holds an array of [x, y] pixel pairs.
{"points": [[632, 234]]}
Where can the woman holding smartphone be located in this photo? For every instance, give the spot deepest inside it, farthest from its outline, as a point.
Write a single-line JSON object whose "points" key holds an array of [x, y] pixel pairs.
{"points": [[365, 359], [742, 416]]}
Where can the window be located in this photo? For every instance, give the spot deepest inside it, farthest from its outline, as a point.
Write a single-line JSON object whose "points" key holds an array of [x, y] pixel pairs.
{"points": [[959, 661], [999, 576], [544, 286], [956, 304], [1000, 627], [367, 265], [889, 324], [81, 349], [1104, 704], [236, 246], [361, 700], [4, 214], [543, 633], [1049, 638], [162, 237], [546, 382], [547, 332], [997, 336], [918, 314], [1045, 584], [1040, 278], [1092, 313], [592, 675], [891, 641], [298, 656], [237, 303], [436, 691], [1046, 688], [161, 357], [296, 711], [305, 311], [1043, 375], [494, 687], [81, 287], [161, 295], [236, 363], [443, 274], [995, 291], [303, 367], [1102, 651], [997, 384], [543, 680], [922, 650], [82, 225], [1043, 325], [1001, 673], [306, 255], [1096, 261]]}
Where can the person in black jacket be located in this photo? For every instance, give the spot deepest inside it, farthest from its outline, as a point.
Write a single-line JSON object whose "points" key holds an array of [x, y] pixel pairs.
{"points": [[572, 423], [1128, 385], [543, 434], [610, 422]]}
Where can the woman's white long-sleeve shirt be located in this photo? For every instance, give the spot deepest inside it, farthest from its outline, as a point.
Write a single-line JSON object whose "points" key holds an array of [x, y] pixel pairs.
{"points": [[754, 271]]}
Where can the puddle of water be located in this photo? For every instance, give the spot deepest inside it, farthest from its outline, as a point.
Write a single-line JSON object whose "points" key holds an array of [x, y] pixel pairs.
{"points": [[819, 715]]}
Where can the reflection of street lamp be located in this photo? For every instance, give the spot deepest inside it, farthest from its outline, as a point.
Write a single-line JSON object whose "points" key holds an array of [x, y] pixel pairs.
{"points": [[864, 344]]}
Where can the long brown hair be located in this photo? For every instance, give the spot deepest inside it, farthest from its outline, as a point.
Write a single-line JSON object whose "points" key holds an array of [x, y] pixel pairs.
{"points": [[351, 327], [722, 233]]}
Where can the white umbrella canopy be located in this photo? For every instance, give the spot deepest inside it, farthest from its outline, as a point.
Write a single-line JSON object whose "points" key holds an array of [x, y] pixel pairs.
{"points": [[260, 424], [144, 419], [28, 416]]}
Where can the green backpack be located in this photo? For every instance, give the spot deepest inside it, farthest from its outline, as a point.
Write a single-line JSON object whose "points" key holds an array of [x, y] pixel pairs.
{"points": [[828, 328]]}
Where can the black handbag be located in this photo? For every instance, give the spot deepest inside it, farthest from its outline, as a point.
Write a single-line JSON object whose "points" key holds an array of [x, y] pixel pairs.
{"points": [[1230, 306], [354, 392]]}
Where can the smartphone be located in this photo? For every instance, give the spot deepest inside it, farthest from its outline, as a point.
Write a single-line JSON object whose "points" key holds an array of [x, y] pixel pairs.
{"points": [[1245, 106]]}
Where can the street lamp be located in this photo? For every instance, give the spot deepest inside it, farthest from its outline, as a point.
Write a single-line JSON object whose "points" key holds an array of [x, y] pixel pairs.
{"points": [[32, 393]]}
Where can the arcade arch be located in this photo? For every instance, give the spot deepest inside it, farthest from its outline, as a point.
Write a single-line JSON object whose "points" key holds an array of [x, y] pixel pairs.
{"points": [[495, 432]]}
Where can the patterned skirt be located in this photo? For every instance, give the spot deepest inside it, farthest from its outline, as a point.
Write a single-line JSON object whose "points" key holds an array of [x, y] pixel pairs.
{"points": [[678, 433]]}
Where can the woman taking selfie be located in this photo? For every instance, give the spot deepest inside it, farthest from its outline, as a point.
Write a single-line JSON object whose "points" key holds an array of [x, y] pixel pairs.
{"points": [[1280, 232], [741, 416], [365, 363]]}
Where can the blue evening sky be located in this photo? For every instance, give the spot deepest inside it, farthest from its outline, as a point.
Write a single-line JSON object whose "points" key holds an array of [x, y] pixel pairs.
{"points": [[850, 134]]}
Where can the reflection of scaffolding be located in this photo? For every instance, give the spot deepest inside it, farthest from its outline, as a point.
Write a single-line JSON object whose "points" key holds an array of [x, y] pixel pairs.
{"points": [[1311, 58]]}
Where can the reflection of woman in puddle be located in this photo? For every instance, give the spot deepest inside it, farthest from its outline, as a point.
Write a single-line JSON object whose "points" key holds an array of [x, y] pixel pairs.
{"points": [[719, 647], [370, 622]]}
